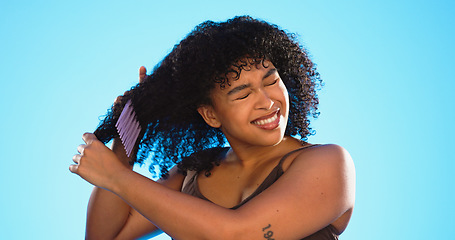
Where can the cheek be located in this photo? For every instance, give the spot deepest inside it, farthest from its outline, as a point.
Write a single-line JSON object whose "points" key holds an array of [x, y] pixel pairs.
{"points": [[284, 99], [282, 92]]}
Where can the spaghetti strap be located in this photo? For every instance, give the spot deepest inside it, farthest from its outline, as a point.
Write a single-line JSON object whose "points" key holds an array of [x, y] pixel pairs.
{"points": [[188, 177]]}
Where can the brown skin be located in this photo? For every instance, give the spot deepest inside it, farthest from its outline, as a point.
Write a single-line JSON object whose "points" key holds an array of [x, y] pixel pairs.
{"points": [[124, 222], [317, 188]]}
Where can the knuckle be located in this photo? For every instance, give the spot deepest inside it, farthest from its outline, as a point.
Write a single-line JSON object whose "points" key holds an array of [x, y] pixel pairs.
{"points": [[97, 144], [81, 160], [87, 150], [82, 148], [74, 168]]}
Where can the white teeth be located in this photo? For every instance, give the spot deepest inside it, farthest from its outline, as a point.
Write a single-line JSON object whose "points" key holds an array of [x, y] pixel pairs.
{"points": [[266, 121]]}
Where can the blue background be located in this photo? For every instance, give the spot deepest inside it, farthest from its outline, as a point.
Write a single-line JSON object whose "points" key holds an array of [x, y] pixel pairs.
{"points": [[388, 99]]}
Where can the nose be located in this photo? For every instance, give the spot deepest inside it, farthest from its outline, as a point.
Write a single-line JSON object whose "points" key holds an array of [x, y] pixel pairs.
{"points": [[263, 100]]}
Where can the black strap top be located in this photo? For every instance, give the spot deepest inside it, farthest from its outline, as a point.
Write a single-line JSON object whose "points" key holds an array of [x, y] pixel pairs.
{"points": [[191, 187]]}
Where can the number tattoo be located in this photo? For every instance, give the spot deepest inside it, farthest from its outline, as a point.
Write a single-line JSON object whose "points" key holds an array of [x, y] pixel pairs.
{"points": [[268, 235]]}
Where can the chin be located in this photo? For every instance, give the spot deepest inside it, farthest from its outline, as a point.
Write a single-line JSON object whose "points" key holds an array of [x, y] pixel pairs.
{"points": [[271, 140]]}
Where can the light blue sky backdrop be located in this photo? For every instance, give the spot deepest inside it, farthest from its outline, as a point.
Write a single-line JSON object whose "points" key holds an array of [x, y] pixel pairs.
{"points": [[388, 99]]}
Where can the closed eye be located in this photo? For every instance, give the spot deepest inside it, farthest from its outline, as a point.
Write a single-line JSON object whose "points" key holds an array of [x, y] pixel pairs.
{"points": [[243, 97], [272, 83]]}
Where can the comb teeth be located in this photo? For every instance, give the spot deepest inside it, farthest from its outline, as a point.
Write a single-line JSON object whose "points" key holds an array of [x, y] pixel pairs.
{"points": [[128, 127]]}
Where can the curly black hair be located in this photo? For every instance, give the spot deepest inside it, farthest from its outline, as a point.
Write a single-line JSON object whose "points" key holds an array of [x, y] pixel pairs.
{"points": [[166, 102]]}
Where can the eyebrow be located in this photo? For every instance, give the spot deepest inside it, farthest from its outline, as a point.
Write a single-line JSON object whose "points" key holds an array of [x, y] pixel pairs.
{"points": [[270, 72], [243, 86]]}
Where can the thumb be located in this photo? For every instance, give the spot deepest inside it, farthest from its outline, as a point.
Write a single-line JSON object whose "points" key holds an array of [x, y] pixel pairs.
{"points": [[142, 74]]}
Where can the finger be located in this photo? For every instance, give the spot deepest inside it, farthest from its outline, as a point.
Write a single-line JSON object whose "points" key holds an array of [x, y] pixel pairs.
{"points": [[74, 168], [80, 148], [89, 137], [142, 74], [77, 158]]}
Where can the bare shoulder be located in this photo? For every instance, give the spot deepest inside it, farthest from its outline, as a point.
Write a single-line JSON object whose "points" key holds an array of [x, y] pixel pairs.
{"points": [[316, 189], [328, 150], [331, 166], [329, 170], [326, 156]]}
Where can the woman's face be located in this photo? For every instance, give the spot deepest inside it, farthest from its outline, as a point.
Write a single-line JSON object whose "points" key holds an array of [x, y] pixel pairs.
{"points": [[252, 110]]}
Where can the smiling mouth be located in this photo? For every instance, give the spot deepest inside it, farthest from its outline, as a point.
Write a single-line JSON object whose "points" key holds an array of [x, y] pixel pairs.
{"points": [[269, 121]]}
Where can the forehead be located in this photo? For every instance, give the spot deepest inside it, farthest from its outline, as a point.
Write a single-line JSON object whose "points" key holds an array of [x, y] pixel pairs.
{"points": [[244, 69], [241, 77]]}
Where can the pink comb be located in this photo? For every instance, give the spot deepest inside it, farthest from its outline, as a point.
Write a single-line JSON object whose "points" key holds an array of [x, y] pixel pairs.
{"points": [[128, 127]]}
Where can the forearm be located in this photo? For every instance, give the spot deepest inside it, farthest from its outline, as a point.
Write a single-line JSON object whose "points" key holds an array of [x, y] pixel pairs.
{"points": [[179, 215], [106, 212]]}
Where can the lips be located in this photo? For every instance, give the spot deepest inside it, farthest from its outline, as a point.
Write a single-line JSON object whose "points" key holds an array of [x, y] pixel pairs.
{"points": [[270, 121]]}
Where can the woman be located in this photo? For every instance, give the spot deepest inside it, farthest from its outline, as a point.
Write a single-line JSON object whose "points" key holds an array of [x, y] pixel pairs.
{"points": [[245, 81]]}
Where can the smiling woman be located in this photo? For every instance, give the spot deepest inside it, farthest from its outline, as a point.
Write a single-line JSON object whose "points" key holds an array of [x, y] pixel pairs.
{"points": [[243, 81]]}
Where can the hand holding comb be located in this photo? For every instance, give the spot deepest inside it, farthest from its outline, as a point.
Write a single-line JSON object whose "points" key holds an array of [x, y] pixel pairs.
{"points": [[127, 125]]}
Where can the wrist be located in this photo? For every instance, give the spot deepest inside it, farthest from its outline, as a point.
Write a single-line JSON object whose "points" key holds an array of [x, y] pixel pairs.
{"points": [[121, 180], [119, 150]]}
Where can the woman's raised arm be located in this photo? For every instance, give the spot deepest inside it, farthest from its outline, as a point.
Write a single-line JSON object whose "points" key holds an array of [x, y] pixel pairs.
{"points": [[106, 212], [110, 217], [316, 189]]}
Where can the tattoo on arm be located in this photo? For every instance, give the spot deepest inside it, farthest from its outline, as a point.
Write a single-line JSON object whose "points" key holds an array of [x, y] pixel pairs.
{"points": [[268, 234]]}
